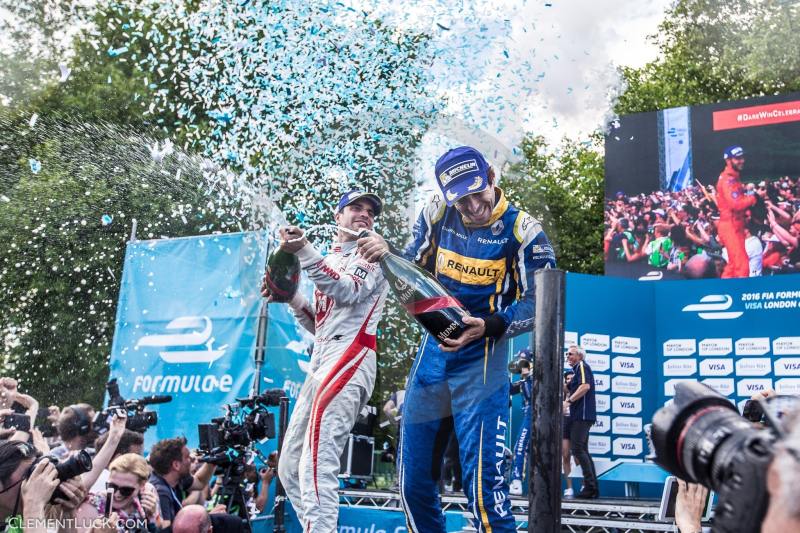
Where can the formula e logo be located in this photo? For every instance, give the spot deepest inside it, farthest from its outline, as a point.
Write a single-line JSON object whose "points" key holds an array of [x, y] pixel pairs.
{"points": [[654, 275], [197, 344], [714, 307]]}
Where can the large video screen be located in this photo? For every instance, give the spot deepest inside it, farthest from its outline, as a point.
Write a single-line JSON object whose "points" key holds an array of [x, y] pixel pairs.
{"points": [[710, 191]]}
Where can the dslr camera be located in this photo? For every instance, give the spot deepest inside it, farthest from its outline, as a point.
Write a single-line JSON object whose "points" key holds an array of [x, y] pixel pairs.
{"points": [[76, 465], [700, 437], [522, 360], [138, 418]]}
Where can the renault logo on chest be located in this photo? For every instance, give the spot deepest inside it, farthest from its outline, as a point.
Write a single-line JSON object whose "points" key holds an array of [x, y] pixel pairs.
{"points": [[497, 227]]}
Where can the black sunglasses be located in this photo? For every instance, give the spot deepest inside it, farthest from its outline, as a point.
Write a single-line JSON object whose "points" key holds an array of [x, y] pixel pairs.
{"points": [[124, 491]]}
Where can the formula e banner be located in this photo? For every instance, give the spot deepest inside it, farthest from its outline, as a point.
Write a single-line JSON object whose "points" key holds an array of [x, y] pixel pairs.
{"points": [[737, 336], [186, 324]]}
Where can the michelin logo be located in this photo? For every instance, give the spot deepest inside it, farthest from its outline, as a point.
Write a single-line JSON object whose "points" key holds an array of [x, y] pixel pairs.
{"points": [[197, 344], [714, 307], [456, 170]]}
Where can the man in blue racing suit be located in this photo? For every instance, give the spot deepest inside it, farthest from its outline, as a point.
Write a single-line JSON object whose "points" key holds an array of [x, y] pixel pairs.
{"points": [[484, 250]]}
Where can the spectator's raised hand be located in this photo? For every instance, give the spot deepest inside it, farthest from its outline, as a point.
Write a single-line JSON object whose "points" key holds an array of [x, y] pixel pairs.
{"points": [[8, 392], [53, 413], [148, 497], [117, 426], [689, 506]]}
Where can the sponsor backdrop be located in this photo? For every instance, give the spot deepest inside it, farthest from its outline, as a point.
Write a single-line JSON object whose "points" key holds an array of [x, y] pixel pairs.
{"points": [[737, 336], [612, 319], [188, 311], [186, 323]]}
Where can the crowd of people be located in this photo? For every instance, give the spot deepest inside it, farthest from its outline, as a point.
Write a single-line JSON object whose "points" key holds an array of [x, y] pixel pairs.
{"points": [[484, 251], [678, 232], [58, 470]]}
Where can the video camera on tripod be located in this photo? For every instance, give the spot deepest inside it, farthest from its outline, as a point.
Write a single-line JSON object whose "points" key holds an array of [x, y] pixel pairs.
{"points": [[227, 443], [245, 421], [138, 419]]}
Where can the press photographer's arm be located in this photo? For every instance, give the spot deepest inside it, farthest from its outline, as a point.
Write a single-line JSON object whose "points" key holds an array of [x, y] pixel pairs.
{"points": [[26, 491]]}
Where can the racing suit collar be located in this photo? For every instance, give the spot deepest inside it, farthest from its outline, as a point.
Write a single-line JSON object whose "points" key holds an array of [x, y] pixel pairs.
{"points": [[733, 173], [499, 210], [338, 247]]}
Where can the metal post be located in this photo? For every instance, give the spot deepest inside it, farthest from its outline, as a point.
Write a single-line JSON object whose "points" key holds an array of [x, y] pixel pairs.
{"points": [[544, 454], [261, 344], [280, 492]]}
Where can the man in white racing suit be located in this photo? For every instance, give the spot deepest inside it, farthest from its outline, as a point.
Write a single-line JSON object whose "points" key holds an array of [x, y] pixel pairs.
{"points": [[348, 302]]}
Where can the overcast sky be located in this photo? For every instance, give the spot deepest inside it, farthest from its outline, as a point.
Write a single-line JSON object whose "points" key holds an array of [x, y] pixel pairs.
{"points": [[513, 67]]}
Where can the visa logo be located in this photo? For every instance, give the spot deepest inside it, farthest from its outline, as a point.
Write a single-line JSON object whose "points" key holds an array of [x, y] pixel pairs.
{"points": [[755, 387], [628, 446], [627, 405], [791, 366], [626, 364], [716, 366]]}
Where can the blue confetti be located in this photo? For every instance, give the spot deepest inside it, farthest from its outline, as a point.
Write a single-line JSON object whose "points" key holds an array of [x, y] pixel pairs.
{"points": [[36, 166], [114, 52], [106, 220]]}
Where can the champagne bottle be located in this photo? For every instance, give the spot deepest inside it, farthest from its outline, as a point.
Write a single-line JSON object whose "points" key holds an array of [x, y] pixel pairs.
{"points": [[282, 275], [424, 298]]}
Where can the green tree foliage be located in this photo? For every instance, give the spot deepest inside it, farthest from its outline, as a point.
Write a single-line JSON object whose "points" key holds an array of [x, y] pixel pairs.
{"points": [[60, 266], [36, 39], [714, 50], [64, 230], [564, 190]]}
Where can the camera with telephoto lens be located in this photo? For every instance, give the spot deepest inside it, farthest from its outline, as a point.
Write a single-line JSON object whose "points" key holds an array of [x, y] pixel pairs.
{"points": [[76, 465], [224, 439], [516, 365], [138, 419], [700, 437]]}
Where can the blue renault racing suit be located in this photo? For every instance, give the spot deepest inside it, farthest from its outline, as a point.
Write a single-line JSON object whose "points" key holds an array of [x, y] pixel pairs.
{"points": [[525, 387], [489, 268]]}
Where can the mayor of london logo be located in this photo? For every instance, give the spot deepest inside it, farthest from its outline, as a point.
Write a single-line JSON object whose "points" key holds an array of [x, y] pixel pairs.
{"points": [[714, 307], [194, 344]]}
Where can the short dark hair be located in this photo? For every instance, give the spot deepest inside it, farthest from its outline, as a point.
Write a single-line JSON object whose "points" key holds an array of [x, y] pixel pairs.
{"points": [[128, 440], [164, 452], [71, 419], [12, 453]]}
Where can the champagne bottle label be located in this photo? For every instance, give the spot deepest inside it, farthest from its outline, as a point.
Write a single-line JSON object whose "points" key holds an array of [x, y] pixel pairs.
{"points": [[424, 298]]}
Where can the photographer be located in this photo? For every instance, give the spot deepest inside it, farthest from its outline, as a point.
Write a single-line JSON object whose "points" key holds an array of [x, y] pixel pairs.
{"points": [[195, 519], [76, 430], [261, 479], [522, 366], [753, 468], [135, 501], [171, 462], [25, 492], [783, 480]]}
